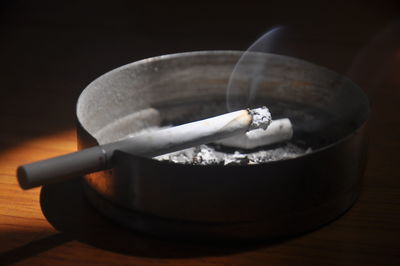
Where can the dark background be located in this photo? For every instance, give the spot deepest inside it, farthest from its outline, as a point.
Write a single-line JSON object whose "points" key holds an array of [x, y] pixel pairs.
{"points": [[50, 50]]}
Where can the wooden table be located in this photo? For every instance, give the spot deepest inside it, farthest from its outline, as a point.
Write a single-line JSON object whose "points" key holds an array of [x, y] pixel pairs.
{"points": [[48, 58]]}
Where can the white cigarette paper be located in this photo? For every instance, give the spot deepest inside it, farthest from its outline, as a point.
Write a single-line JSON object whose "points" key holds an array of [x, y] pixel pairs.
{"points": [[158, 142], [147, 144], [278, 131]]}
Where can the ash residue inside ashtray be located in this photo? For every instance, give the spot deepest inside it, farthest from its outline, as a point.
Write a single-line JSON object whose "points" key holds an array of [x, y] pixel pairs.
{"points": [[209, 155]]}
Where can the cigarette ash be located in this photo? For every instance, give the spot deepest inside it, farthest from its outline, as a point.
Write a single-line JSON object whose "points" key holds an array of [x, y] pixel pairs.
{"points": [[210, 155], [261, 118]]}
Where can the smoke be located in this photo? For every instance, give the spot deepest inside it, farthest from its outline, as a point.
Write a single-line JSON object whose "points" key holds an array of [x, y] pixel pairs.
{"points": [[247, 73], [373, 67]]}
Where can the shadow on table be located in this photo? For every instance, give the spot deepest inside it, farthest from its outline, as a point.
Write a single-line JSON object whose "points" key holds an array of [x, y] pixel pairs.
{"points": [[67, 209], [33, 248]]}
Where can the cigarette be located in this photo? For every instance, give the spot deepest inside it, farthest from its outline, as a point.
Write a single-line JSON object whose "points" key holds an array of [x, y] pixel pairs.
{"points": [[279, 130], [149, 144]]}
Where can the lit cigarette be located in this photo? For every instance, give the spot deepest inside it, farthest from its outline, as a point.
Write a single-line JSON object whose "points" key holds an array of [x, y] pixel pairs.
{"points": [[278, 131], [148, 144]]}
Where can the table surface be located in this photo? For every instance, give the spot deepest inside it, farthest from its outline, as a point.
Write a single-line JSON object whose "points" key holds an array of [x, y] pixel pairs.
{"points": [[48, 58]]}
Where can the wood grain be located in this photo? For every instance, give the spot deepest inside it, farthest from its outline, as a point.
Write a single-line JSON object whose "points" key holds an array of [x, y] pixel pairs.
{"points": [[50, 52]]}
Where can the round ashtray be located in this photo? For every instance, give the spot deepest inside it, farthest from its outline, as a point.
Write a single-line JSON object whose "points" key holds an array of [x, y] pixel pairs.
{"points": [[277, 198]]}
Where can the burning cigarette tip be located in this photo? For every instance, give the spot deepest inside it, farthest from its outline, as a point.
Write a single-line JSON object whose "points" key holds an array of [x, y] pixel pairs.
{"points": [[261, 118]]}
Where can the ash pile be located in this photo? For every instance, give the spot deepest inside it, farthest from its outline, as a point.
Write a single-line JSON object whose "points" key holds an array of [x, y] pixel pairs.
{"points": [[217, 155]]}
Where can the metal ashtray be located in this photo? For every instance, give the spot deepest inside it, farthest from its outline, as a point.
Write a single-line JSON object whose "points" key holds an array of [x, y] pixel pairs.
{"points": [[273, 199]]}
